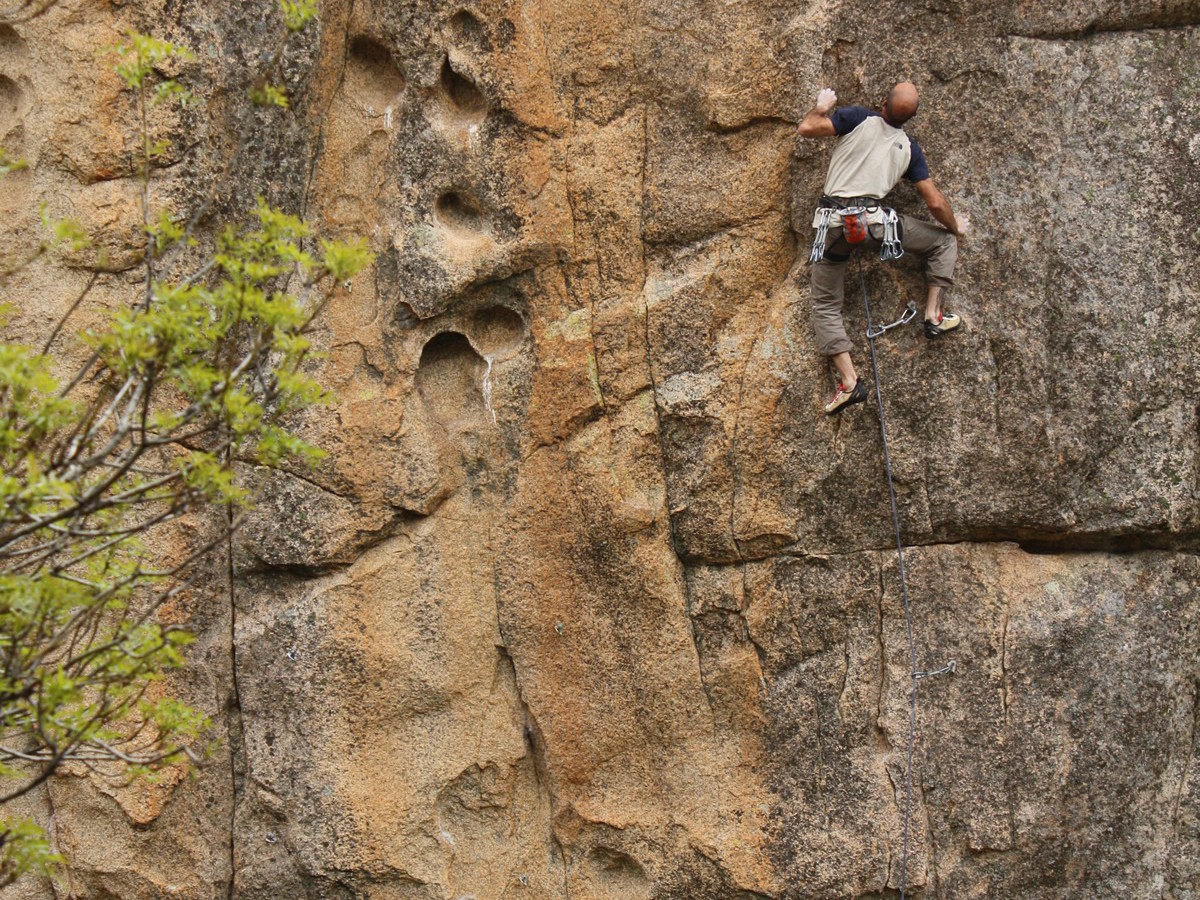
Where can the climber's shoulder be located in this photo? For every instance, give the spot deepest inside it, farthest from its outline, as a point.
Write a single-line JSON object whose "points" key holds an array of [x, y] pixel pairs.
{"points": [[847, 118]]}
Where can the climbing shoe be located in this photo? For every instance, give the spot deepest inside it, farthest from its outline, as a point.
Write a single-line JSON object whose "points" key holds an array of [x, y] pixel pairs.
{"points": [[844, 398], [946, 322]]}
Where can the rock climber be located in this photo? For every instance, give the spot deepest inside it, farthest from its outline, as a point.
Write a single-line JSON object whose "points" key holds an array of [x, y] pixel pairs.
{"points": [[872, 154]]}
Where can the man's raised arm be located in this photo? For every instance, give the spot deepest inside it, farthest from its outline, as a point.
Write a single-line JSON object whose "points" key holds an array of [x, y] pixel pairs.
{"points": [[939, 207], [817, 123]]}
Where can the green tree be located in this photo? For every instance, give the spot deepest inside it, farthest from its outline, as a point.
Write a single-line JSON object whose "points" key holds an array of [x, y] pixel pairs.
{"points": [[197, 373]]}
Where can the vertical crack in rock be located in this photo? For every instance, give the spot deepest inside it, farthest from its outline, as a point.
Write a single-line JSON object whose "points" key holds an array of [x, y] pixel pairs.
{"points": [[649, 352], [592, 328], [596, 254], [760, 652], [734, 469], [306, 200], [845, 680], [880, 727], [822, 751], [52, 831], [535, 740], [693, 627], [592, 304], [236, 725], [1004, 699], [532, 732], [899, 789], [997, 388], [931, 880], [566, 878], [822, 760], [1185, 773], [815, 698]]}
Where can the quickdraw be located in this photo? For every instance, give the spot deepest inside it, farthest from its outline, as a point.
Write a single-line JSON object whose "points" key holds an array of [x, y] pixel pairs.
{"points": [[892, 247], [818, 247], [910, 313]]}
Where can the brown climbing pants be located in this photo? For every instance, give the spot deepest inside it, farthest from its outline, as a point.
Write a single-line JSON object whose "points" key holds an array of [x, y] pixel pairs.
{"points": [[936, 248]]}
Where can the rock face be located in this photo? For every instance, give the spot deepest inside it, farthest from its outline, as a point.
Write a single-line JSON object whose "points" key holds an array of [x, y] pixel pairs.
{"points": [[589, 600]]}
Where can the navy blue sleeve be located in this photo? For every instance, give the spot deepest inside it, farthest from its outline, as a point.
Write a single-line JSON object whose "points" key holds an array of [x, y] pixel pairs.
{"points": [[918, 168], [846, 118]]}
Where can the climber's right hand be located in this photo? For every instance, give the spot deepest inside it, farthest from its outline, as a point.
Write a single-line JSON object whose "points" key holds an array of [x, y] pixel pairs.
{"points": [[826, 100], [964, 225]]}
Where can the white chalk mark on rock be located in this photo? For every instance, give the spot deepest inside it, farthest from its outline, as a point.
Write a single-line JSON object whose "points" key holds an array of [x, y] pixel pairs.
{"points": [[487, 387]]}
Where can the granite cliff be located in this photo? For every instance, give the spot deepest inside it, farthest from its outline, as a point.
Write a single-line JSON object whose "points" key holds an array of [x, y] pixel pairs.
{"points": [[589, 600]]}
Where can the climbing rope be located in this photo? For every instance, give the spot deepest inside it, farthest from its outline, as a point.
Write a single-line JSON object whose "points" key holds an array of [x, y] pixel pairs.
{"points": [[872, 334]]}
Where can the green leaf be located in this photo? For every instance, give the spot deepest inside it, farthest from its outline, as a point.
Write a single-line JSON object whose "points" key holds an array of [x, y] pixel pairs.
{"points": [[11, 164], [166, 231], [64, 231], [139, 54], [267, 94], [345, 259], [171, 90], [25, 850], [298, 13], [204, 472]]}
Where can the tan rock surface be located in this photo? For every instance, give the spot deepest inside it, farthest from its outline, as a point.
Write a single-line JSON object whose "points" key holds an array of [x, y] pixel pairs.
{"points": [[588, 600]]}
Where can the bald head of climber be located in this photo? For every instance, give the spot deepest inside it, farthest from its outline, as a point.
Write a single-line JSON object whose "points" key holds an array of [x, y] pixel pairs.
{"points": [[900, 104]]}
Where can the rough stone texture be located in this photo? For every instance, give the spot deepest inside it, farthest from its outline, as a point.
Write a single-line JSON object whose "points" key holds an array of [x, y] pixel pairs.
{"points": [[589, 601]]}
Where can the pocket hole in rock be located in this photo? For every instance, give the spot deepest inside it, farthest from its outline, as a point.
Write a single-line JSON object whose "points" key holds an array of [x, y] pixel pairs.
{"points": [[450, 379], [11, 43], [619, 871], [10, 105], [467, 29], [460, 93], [459, 213], [372, 78], [406, 317], [498, 329]]}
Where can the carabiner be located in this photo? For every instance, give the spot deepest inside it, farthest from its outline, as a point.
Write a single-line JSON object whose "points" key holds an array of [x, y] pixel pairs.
{"points": [[910, 313]]}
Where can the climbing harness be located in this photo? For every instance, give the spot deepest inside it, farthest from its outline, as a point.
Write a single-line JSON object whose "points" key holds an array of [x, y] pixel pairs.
{"points": [[872, 333], [852, 213]]}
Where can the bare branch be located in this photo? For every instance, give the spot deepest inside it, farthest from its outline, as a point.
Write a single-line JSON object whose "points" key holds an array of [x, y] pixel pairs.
{"points": [[62, 320]]}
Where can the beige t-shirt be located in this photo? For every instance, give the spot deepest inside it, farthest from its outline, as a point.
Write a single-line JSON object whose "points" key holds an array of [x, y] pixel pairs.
{"points": [[870, 158]]}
